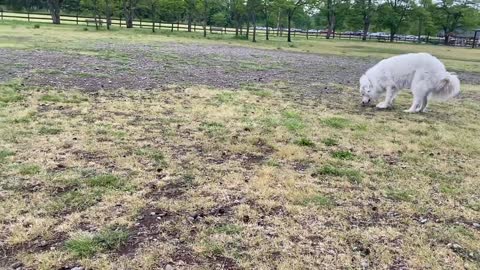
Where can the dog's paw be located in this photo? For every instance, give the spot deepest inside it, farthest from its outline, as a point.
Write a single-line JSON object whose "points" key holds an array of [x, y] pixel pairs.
{"points": [[410, 111], [383, 105]]}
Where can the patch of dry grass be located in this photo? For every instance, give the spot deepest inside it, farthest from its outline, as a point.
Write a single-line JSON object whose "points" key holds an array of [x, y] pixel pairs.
{"points": [[202, 178]]}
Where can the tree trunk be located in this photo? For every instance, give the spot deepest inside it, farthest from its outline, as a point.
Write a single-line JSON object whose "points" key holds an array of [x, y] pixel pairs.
{"points": [[331, 23], [420, 24], [54, 8], [248, 29], [205, 22], [108, 14], [266, 24], [366, 26], [278, 22], [189, 21], [237, 26], [289, 36], [95, 13], [153, 17], [392, 35], [254, 16], [128, 13]]}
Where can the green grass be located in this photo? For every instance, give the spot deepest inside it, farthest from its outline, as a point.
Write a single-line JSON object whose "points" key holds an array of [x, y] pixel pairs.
{"points": [[105, 181], [9, 93], [343, 155], [74, 201], [399, 195], [63, 98], [46, 130], [29, 169], [336, 122], [292, 121], [353, 176], [155, 155], [213, 128], [330, 142], [304, 142], [82, 246], [88, 245], [4, 154], [318, 200], [228, 229]]}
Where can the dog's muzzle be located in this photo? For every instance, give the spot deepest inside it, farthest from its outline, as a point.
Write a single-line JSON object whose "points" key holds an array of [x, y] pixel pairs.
{"points": [[366, 101]]}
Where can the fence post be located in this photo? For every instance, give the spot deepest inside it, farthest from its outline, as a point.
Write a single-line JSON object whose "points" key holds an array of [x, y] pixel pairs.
{"points": [[77, 17], [140, 22], [1, 12], [210, 29], [195, 27], [28, 15]]}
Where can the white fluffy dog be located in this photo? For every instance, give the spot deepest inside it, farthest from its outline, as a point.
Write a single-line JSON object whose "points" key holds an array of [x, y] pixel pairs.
{"points": [[422, 73]]}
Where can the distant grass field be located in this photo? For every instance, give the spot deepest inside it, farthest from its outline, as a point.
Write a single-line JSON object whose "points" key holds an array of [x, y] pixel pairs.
{"points": [[458, 59], [254, 178]]}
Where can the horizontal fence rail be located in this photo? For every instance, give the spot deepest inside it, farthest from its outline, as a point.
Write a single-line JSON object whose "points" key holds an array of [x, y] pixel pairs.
{"points": [[260, 32]]}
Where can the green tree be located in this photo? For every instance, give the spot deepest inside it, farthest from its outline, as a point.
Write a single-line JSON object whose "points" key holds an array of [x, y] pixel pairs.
{"points": [[253, 7], [392, 14], [190, 10], [362, 14], [237, 10], [422, 16], [291, 7], [452, 15]]}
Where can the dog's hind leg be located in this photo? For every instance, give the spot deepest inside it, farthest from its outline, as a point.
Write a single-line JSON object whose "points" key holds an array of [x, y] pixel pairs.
{"points": [[420, 101], [420, 91], [416, 105], [424, 104]]}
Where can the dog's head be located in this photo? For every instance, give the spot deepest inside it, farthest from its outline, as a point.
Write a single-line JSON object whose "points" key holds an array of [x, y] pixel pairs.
{"points": [[368, 91]]}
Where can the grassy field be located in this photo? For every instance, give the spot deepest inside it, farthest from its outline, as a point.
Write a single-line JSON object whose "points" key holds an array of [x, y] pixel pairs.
{"points": [[253, 178], [22, 35]]}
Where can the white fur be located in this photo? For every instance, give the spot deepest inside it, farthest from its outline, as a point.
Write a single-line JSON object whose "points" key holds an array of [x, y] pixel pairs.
{"points": [[422, 73]]}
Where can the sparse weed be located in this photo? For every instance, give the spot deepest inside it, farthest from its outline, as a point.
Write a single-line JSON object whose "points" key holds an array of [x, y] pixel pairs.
{"points": [[29, 169], [105, 181], [399, 195], [45, 130], [305, 142], [330, 142], [318, 200], [336, 122], [353, 176], [343, 154], [87, 245]]}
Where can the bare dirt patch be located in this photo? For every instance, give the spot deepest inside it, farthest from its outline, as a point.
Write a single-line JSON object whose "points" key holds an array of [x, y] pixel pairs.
{"points": [[114, 66]]}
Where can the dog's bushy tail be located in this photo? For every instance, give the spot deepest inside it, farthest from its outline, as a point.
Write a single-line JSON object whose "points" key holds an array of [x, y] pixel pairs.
{"points": [[447, 88]]}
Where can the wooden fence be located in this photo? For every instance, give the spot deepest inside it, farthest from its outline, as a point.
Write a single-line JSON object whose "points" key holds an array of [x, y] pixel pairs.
{"points": [[177, 26]]}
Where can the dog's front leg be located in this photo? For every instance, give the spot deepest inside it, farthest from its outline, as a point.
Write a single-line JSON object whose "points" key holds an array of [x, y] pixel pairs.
{"points": [[390, 96]]}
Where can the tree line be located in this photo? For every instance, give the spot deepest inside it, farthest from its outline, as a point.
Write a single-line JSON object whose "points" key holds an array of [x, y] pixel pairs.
{"points": [[417, 17]]}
